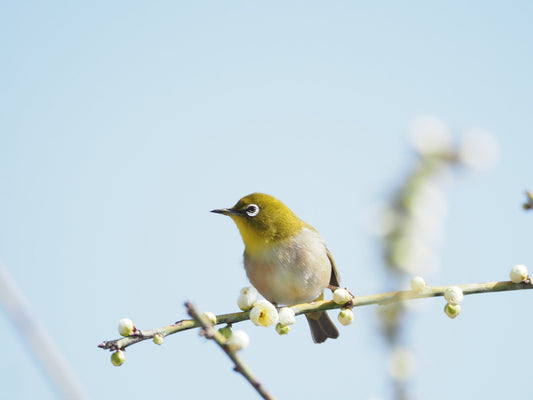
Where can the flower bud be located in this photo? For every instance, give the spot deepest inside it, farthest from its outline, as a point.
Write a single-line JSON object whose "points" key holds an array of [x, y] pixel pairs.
{"points": [[341, 296], [346, 316], [118, 358], [282, 329], [238, 341], [158, 339], [264, 313], [286, 316], [226, 331], [518, 273], [212, 318], [126, 327], [418, 284], [452, 310], [453, 295], [247, 298]]}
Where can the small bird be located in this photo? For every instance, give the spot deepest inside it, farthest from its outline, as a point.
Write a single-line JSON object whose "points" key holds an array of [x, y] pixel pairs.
{"points": [[285, 258]]}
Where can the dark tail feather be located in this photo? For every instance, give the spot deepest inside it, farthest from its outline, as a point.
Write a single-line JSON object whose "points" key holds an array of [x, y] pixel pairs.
{"points": [[321, 327]]}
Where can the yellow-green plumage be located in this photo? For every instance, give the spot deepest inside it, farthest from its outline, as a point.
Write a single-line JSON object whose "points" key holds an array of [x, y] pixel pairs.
{"points": [[285, 258]]}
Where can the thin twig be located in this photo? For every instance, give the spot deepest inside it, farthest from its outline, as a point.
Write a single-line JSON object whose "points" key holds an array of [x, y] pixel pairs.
{"points": [[240, 366], [381, 299]]}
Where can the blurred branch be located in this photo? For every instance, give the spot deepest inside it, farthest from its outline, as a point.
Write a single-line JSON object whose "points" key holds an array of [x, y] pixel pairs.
{"points": [[380, 299], [36, 338], [211, 333], [411, 225]]}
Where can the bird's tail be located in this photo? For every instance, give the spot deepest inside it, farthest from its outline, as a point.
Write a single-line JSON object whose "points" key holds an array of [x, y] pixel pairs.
{"points": [[321, 326]]}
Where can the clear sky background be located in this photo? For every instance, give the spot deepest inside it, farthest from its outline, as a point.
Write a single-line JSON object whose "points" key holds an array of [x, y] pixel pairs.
{"points": [[122, 124]]}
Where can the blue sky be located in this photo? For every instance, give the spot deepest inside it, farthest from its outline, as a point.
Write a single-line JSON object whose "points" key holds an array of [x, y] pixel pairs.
{"points": [[123, 124]]}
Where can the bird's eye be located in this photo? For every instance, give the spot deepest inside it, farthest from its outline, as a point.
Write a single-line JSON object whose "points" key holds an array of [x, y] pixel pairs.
{"points": [[252, 210]]}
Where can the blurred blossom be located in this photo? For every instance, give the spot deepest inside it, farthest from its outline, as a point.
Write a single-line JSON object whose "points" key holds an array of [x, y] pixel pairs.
{"points": [[430, 198], [429, 135], [388, 221], [389, 317], [238, 340], [412, 224], [428, 226], [412, 254], [382, 219], [479, 150], [401, 363], [442, 174]]}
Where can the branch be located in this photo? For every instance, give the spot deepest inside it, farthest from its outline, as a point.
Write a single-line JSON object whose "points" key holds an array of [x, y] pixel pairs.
{"points": [[381, 299], [240, 367], [37, 339]]}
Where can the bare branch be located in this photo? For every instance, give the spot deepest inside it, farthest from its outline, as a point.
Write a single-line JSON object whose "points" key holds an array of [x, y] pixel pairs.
{"points": [[240, 366]]}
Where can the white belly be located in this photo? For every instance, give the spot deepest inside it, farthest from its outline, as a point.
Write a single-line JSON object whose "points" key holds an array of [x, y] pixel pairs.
{"points": [[291, 272]]}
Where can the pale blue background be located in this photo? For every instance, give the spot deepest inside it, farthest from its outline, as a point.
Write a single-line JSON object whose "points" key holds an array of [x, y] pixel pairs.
{"points": [[122, 124]]}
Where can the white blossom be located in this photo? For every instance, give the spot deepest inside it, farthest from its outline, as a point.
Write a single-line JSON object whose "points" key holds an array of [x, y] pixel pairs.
{"points": [[264, 313], [286, 316], [247, 298]]}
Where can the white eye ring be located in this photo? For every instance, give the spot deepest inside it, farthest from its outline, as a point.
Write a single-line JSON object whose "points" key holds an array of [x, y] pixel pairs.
{"points": [[252, 210]]}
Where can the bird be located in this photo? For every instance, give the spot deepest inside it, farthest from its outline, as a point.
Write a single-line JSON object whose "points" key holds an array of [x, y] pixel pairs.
{"points": [[285, 258]]}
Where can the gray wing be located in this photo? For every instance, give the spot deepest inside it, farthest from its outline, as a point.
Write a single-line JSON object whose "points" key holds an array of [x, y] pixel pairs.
{"points": [[335, 278]]}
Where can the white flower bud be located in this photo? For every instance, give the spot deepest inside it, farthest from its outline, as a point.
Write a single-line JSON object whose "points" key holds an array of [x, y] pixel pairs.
{"points": [[247, 298], [341, 296], [346, 316], [158, 339], [282, 329], [418, 284], [126, 327], [452, 310], [518, 273], [264, 313], [238, 340], [286, 316], [453, 295], [118, 358], [212, 318]]}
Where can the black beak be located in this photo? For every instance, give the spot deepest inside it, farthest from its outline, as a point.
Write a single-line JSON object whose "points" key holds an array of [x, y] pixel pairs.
{"points": [[225, 211]]}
